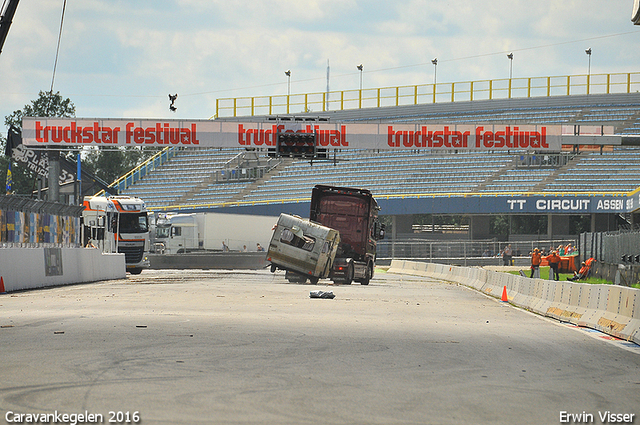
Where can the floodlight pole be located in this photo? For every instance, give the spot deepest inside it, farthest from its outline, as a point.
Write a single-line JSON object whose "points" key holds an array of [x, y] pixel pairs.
{"points": [[360, 68], [288, 74], [588, 52], [434, 61]]}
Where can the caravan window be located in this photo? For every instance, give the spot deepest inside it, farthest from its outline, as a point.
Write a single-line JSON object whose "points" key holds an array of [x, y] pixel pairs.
{"points": [[305, 242]]}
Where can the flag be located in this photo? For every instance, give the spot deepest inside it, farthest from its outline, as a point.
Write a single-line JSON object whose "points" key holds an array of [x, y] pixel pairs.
{"points": [[14, 139], [9, 179]]}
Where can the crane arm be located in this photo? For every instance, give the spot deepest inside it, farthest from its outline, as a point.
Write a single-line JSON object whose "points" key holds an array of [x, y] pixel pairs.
{"points": [[6, 17]]}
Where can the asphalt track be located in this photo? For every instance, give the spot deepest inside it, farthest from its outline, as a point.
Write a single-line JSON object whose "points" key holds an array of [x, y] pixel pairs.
{"points": [[246, 347]]}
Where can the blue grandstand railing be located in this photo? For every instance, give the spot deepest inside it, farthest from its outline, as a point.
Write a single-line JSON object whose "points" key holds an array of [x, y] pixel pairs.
{"points": [[143, 169], [430, 93]]}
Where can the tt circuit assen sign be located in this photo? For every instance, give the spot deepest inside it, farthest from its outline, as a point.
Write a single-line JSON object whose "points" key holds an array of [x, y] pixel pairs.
{"points": [[554, 205], [63, 133], [570, 205]]}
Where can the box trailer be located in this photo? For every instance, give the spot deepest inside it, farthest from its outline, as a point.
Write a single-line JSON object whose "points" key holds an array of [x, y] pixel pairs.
{"points": [[183, 233]]}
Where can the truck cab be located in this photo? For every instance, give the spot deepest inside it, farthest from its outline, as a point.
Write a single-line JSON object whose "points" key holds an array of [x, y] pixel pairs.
{"points": [[177, 234], [118, 224], [354, 213]]}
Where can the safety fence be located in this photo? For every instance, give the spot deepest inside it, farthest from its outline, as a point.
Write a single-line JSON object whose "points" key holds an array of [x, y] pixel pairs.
{"points": [[28, 223], [430, 93], [611, 309], [466, 252], [621, 247]]}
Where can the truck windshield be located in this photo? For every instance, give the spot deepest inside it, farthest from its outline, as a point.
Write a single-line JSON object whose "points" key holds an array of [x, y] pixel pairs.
{"points": [[134, 223], [162, 232]]}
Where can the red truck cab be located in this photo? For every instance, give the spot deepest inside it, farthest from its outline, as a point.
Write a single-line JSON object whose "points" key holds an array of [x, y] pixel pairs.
{"points": [[354, 213]]}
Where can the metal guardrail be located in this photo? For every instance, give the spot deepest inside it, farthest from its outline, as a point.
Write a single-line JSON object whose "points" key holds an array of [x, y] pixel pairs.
{"points": [[430, 93]]}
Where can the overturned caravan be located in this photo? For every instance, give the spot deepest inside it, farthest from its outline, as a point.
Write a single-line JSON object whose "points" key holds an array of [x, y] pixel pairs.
{"points": [[306, 250]]}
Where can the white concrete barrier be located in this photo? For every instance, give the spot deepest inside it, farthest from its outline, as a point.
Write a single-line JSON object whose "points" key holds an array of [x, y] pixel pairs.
{"points": [[596, 306], [617, 316], [523, 291], [28, 268], [634, 325], [557, 306], [612, 309], [397, 266], [541, 300]]}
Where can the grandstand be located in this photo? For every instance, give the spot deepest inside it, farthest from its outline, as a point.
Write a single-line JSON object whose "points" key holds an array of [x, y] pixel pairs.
{"points": [[213, 178]]}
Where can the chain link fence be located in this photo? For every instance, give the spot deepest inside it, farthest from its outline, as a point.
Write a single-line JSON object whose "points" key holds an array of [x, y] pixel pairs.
{"points": [[611, 247], [466, 253]]}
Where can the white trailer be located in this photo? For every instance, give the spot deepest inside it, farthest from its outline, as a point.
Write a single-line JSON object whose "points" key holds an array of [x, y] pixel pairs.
{"points": [[182, 233]]}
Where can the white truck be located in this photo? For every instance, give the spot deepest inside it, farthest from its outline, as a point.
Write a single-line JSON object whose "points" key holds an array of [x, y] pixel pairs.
{"points": [[183, 233], [118, 224]]}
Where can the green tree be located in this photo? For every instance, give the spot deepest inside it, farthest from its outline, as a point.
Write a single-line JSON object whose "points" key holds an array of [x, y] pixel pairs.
{"points": [[109, 165], [47, 104], [579, 224], [499, 225]]}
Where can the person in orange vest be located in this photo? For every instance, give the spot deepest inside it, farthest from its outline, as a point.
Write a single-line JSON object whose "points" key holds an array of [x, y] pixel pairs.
{"points": [[580, 274], [584, 270], [554, 263], [536, 259]]}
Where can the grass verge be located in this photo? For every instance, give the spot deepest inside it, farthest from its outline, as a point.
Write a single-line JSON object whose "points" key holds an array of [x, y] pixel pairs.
{"points": [[544, 274]]}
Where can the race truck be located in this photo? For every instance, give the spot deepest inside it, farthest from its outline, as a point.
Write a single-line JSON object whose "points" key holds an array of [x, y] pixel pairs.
{"points": [[118, 224], [353, 214]]}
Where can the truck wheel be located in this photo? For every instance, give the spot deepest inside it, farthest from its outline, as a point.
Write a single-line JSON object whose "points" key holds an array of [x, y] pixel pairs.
{"points": [[368, 276], [273, 268], [349, 278], [314, 280], [135, 271]]}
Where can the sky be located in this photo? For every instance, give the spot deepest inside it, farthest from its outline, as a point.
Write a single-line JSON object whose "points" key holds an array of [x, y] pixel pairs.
{"points": [[121, 59]]}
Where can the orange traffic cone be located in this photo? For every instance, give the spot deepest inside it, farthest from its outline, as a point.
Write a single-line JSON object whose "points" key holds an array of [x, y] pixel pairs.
{"points": [[504, 294], [2, 291]]}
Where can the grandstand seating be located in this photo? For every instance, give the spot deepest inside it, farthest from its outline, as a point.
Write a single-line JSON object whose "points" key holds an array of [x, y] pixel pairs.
{"points": [[187, 178], [177, 177], [617, 171]]}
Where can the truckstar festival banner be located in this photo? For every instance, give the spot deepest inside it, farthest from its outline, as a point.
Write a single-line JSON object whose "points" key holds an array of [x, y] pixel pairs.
{"points": [[72, 133]]}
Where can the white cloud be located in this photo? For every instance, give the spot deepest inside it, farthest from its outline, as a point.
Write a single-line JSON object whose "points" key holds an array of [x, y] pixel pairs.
{"points": [[122, 58]]}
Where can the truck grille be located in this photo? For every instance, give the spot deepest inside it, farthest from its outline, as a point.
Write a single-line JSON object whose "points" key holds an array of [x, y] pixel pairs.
{"points": [[132, 254]]}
